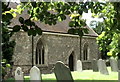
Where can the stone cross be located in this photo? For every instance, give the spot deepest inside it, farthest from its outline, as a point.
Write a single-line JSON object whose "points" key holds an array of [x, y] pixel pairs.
{"points": [[35, 74], [79, 66], [114, 65], [102, 67], [62, 72], [94, 65], [19, 75]]}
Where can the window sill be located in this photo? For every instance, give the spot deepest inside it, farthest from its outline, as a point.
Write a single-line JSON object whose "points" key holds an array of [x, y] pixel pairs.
{"points": [[41, 65], [86, 61]]}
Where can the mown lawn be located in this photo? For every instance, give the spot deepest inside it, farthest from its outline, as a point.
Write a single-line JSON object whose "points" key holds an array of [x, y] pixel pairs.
{"points": [[84, 76]]}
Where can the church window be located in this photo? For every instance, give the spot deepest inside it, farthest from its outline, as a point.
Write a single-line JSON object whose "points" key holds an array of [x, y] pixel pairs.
{"points": [[39, 53], [85, 52]]}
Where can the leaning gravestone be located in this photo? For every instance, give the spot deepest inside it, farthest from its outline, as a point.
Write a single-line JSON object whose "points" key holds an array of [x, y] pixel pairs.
{"points": [[19, 75], [102, 67], [114, 65], [62, 72], [79, 66], [35, 74], [94, 65]]}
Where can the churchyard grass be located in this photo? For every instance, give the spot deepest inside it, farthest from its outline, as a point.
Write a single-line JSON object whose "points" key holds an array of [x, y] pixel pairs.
{"points": [[87, 75]]}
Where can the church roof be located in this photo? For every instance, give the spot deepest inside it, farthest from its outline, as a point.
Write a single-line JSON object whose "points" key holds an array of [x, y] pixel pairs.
{"points": [[60, 27]]}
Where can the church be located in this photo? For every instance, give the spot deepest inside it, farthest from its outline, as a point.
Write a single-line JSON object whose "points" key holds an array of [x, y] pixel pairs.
{"points": [[55, 44]]}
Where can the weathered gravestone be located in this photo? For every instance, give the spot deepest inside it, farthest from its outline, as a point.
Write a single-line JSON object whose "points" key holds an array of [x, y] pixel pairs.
{"points": [[62, 72], [35, 75], [95, 65], [114, 65], [118, 75], [19, 75], [102, 67], [79, 66], [118, 64]]}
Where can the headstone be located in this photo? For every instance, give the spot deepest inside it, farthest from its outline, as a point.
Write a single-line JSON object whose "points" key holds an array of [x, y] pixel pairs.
{"points": [[114, 65], [35, 74], [94, 65], [102, 67], [79, 66], [19, 74], [119, 64], [62, 72]]}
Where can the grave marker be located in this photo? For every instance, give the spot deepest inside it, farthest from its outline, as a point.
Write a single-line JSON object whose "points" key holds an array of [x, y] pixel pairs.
{"points": [[114, 65], [35, 74], [79, 66], [118, 64], [19, 75], [62, 72], [94, 65], [102, 67]]}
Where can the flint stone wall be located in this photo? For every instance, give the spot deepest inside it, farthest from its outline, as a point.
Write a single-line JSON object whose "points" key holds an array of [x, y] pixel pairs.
{"points": [[58, 47]]}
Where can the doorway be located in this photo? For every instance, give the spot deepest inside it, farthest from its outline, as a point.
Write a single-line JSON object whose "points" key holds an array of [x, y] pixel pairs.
{"points": [[71, 61]]}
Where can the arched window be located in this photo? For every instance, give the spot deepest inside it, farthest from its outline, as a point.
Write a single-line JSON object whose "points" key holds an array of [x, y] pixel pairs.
{"points": [[85, 52], [39, 53]]}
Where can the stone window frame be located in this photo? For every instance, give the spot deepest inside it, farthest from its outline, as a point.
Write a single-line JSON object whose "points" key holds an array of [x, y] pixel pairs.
{"points": [[85, 57], [40, 54]]}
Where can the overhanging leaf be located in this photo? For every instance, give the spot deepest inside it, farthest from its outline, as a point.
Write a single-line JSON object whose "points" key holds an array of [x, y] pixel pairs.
{"points": [[25, 28], [38, 30], [21, 20], [16, 28]]}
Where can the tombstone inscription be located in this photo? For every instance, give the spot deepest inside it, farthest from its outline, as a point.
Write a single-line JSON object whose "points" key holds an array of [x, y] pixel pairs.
{"points": [[19, 75]]}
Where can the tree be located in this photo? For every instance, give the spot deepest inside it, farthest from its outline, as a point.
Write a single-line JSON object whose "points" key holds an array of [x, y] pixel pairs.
{"points": [[7, 45], [110, 37], [97, 26]]}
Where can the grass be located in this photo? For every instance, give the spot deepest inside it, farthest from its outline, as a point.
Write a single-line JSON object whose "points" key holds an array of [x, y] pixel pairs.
{"points": [[84, 76]]}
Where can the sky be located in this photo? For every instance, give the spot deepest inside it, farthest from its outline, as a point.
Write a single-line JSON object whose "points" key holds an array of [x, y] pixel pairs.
{"points": [[88, 17]]}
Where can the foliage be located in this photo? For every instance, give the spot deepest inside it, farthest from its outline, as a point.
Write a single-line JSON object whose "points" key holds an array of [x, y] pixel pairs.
{"points": [[109, 39], [53, 12], [7, 45], [97, 26]]}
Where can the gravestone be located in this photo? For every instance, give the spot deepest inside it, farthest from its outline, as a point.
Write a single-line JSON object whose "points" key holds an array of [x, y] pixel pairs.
{"points": [[35, 74], [79, 66], [114, 65], [118, 64], [102, 67], [62, 72], [19, 75], [94, 65]]}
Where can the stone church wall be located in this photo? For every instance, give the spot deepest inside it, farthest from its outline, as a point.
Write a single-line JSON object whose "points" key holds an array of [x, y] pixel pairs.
{"points": [[58, 47]]}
